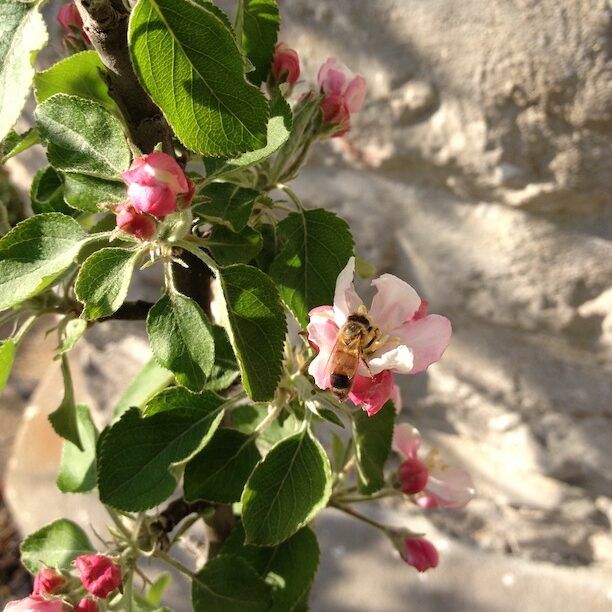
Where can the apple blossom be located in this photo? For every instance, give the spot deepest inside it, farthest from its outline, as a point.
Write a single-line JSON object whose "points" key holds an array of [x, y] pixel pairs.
{"points": [[285, 64], [100, 575], [344, 94], [36, 603], [137, 224], [154, 181], [47, 581], [69, 18], [410, 340], [446, 486], [420, 553]]}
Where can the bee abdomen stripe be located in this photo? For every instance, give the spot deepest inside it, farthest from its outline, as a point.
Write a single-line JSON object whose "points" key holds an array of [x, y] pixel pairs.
{"points": [[359, 319], [340, 381]]}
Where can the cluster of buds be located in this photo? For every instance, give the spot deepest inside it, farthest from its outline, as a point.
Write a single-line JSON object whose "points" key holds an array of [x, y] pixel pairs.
{"points": [[75, 37], [54, 592], [342, 92], [156, 187]]}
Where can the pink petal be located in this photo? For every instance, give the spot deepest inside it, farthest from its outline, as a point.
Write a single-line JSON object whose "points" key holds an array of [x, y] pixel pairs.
{"points": [[333, 75], [396, 398], [395, 302], [372, 393], [166, 169], [156, 200], [406, 440], [447, 487], [398, 359], [355, 93], [427, 338], [420, 553], [346, 299], [322, 333]]}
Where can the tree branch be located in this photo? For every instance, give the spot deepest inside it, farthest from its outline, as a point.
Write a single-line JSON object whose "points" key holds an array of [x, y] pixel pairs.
{"points": [[106, 24]]}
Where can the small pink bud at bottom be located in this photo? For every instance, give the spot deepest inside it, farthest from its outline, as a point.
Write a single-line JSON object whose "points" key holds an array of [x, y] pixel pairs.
{"points": [[420, 553], [100, 575], [87, 605], [412, 475], [47, 581], [137, 224]]}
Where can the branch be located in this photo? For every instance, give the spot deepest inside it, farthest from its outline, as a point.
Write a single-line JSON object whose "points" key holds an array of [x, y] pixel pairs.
{"points": [[106, 24], [130, 311]]}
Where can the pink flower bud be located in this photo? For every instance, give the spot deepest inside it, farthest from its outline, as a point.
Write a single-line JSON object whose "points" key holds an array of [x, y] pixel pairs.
{"points": [[87, 605], [420, 553], [47, 581], [69, 18], [412, 476], [344, 94], [154, 181], [371, 393], [36, 603], [99, 574], [285, 64], [142, 226]]}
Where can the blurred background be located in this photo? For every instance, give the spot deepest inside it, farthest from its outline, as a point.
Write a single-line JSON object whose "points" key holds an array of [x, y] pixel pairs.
{"points": [[480, 171]]}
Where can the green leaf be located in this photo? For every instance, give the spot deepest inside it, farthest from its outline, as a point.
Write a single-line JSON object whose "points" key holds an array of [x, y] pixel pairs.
{"points": [[149, 381], [286, 490], [373, 436], [104, 279], [15, 143], [289, 567], [278, 130], [82, 137], [22, 35], [156, 590], [47, 192], [229, 584], [225, 370], [78, 75], [229, 247], [56, 545], [219, 471], [246, 418], [181, 339], [204, 95], [7, 357], [64, 418], [269, 247], [257, 327], [72, 332], [259, 33], [137, 453], [317, 246], [87, 192], [35, 253], [77, 472], [226, 203]]}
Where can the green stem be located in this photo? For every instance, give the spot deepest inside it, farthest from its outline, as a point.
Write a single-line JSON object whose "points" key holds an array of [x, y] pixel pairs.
{"points": [[175, 564], [194, 250], [270, 418], [25, 328], [119, 523], [291, 194], [355, 499], [359, 516], [239, 23]]}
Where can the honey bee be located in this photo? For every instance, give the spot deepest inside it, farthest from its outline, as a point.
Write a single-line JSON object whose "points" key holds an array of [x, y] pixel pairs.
{"points": [[357, 339]]}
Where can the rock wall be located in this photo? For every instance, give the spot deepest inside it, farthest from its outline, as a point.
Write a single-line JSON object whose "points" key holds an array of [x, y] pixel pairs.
{"points": [[480, 171]]}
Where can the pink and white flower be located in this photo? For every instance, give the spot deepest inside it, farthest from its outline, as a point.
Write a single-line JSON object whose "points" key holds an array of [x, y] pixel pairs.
{"points": [[411, 339], [420, 553], [345, 94], [445, 487], [154, 181], [285, 64], [36, 603]]}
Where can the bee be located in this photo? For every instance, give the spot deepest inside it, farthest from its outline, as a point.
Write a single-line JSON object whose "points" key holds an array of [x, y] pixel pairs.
{"points": [[357, 339]]}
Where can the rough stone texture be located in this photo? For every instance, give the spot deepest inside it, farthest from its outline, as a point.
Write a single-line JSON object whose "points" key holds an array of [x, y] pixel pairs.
{"points": [[479, 170]]}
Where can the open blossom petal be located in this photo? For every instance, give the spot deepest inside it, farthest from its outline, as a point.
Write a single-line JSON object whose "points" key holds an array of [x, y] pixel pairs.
{"points": [[36, 603], [406, 440], [322, 334], [333, 76], [355, 93], [398, 359], [346, 299], [447, 487], [396, 398], [427, 338], [394, 303], [372, 393]]}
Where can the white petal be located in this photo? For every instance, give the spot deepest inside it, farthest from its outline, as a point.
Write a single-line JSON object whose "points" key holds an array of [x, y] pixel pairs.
{"points": [[398, 359], [406, 440], [346, 299], [394, 303], [428, 338]]}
